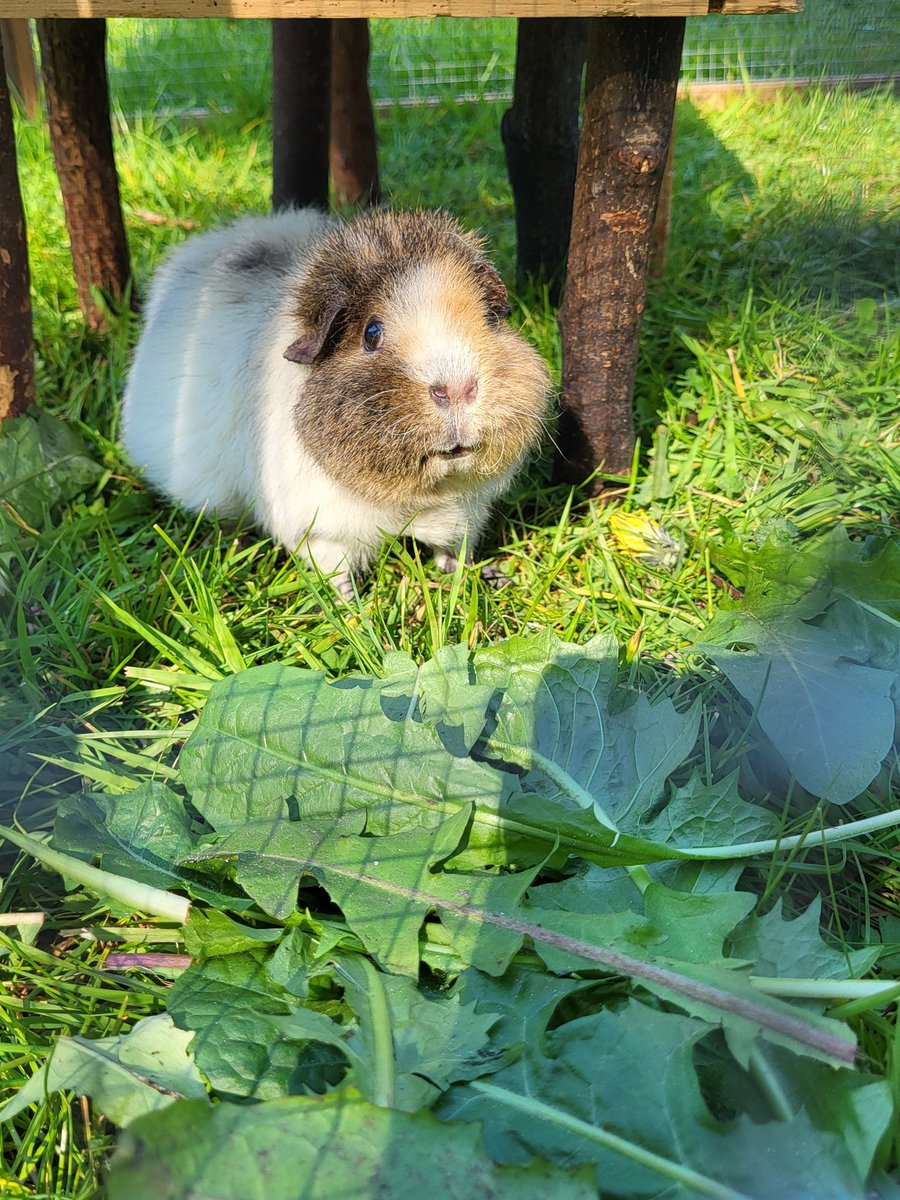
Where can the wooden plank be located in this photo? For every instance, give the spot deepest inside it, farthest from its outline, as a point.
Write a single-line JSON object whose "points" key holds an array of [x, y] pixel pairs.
{"points": [[14, 9]]}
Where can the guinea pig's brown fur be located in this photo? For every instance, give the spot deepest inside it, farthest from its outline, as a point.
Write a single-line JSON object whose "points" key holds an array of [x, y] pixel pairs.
{"points": [[397, 268]]}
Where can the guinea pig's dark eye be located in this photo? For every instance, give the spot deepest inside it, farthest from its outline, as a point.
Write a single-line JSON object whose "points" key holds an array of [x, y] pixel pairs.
{"points": [[373, 336]]}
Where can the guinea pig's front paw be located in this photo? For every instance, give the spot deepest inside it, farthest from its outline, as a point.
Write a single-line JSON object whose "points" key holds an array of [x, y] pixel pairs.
{"points": [[446, 561], [491, 574]]}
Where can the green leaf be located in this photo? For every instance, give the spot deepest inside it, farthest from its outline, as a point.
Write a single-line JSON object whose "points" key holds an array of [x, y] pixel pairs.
{"points": [[619, 1090], [278, 741], [683, 926], [856, 1108], [408, 1046], [209, 933], [142, 834], [251, 1038], [556, 707], [520, 1003], [830, 717], [321, 1148], [825, 692], [384, 886], [43, 462], [274, 734], [450, 697], [126, 1076], [714, 814], [796, 949]]}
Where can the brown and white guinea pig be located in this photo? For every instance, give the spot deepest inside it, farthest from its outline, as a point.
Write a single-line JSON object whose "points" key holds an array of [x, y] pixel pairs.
{"points": [[341, 381]]}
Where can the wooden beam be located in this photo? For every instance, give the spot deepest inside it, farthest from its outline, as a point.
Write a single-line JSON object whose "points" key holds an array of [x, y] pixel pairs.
{"points": [[389, 8], [762, 91], [353, 149]]}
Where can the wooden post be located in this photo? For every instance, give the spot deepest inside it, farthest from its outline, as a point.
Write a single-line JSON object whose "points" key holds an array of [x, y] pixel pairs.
{"points": [[301, 84], [16, 343], [353, 145], [73, 66], [540, 136], [632, 77], [20, 66]]}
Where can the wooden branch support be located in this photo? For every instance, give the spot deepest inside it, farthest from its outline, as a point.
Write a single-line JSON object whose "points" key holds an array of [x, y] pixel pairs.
{"points": [[540, 136], [16, 344], [20, 66], [632, 77], [301, 87], [73, 66], [353, 144]]}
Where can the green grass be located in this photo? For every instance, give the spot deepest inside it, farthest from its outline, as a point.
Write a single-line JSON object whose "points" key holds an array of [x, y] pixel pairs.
{"points": [[766, 393]]}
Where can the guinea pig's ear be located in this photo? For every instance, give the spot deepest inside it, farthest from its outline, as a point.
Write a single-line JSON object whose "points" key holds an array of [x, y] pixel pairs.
{"points": [[493, 289], [309, 346]]}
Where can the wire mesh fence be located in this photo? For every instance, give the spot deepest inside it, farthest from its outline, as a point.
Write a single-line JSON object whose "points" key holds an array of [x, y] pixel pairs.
{"points": [[225, 64]]}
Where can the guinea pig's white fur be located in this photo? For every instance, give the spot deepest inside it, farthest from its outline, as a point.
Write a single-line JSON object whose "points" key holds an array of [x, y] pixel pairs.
{"points": [[219, 417]]}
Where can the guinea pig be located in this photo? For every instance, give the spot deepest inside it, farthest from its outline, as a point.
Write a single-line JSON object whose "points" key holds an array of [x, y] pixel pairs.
{"points": [[339, 380]]}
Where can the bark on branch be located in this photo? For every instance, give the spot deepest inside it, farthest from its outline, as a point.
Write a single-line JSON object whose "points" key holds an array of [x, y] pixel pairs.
{"points": [[73, 66], [354, 148], [16, 344], [632, 77], [301, 85], [540, 136]]}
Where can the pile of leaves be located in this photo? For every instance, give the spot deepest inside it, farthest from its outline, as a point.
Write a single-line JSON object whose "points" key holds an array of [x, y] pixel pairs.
{"points": [[478, 925]]}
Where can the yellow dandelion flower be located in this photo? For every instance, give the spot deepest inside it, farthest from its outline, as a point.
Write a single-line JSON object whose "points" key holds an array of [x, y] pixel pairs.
{"points": [[636, 536]]}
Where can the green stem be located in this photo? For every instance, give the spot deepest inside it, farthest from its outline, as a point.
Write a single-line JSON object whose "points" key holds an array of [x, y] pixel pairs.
{"points": [[826, 989], [688, 1178], [384, 1068], [141, 897], [864, 1004], [820, 837], [770, 1086], [533, 760]]}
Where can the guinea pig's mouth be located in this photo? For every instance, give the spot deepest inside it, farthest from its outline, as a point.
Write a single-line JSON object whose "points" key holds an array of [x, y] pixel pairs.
{"points": [[457, 450]]}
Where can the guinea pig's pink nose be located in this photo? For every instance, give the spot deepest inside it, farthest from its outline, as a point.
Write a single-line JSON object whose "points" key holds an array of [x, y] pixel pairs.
{"points": [[446, 394]]}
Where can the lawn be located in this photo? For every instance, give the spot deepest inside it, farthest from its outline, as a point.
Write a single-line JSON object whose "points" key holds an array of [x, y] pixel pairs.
{"points": [[767, 411]]}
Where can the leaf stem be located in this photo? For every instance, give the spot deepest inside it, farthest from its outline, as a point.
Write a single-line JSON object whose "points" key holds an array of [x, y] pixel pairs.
{"points": [[826, 989], [685, 1176], [819, 837], [384, 1069], [139, 896], [839, 1047], [533, 760], [770, 1085]]}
